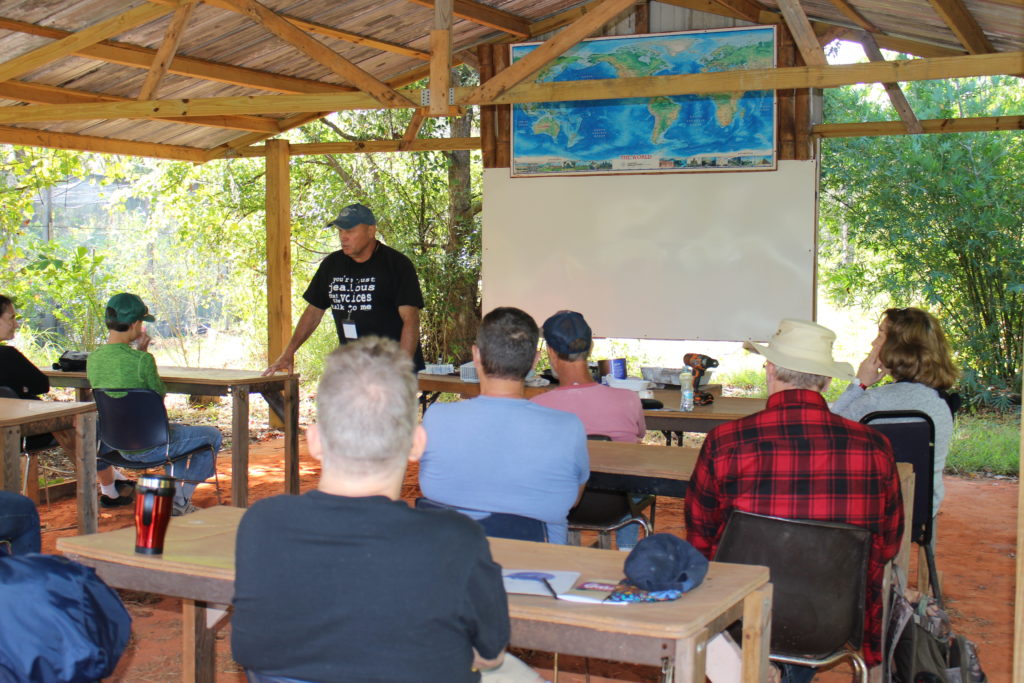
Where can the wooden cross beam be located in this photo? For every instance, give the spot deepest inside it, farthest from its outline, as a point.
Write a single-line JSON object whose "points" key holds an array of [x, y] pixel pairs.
{"points": [[165, 53], [896, 96], [319, 52]]}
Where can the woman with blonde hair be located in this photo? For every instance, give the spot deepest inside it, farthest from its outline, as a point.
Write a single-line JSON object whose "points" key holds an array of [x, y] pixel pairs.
{"points": [[912, 349]]}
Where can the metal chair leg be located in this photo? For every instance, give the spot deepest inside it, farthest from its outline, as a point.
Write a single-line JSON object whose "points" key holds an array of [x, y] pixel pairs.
{"points": [[933, 574]]}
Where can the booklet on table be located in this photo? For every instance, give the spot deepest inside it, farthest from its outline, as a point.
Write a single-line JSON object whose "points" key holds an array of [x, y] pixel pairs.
{"points": [[558, 584]]}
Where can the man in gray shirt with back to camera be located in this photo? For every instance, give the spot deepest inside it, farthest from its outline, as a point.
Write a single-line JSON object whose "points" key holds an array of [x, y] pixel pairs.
{"points": [[347, 582]]}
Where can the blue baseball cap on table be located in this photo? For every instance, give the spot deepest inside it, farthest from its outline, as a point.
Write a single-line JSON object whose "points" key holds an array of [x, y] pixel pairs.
{"points": [[665, 562], [353, 215]]}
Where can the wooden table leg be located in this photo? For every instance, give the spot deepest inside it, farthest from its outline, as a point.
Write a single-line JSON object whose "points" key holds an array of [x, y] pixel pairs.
{"points": [[85, 465], [291, 437], [9, 467], [240, 446], [691, 657], [757, 634], [198, 657]]}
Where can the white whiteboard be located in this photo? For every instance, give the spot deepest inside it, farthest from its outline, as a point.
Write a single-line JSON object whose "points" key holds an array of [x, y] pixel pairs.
{"points": [[700, 256]]}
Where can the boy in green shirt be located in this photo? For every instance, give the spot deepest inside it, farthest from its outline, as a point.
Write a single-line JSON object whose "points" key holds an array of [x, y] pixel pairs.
{"points": [[116, 365]]}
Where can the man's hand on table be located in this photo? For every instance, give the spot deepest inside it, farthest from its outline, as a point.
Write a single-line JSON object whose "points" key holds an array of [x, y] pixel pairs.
{"points": [[284, 363]]}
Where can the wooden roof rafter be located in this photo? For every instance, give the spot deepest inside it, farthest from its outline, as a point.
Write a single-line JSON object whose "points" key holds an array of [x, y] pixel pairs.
{"points": [[165, 53], [853, 15], [142, 58], [803, 33], [314, 49], [896, 96], [963, 25], [329, 31], [72, 42], [549, 50]]}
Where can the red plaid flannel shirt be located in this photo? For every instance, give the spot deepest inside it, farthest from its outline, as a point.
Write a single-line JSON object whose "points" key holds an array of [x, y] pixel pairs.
{"points": [[796, 459]]}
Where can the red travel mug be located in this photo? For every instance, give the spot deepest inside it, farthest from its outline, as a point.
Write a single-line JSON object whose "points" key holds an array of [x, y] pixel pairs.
{"points": [[154, 499]]}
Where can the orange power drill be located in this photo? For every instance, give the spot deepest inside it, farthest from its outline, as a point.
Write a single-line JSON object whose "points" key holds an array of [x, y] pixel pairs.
{"points": [[699, 363]]}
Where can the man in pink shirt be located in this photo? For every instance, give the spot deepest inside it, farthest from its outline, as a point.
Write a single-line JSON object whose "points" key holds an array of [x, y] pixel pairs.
{"points": [[616, 413]]}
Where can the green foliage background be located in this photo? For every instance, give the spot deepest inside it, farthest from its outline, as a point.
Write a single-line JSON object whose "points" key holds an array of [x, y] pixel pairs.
{"points": [[931, 220], [935, 221]]}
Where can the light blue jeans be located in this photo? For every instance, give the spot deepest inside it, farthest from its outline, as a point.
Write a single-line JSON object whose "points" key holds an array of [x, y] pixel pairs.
{"points": [[199, 467]]}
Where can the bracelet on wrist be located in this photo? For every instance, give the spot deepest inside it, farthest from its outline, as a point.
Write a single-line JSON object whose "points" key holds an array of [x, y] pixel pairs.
{"points": [[863, 386]]}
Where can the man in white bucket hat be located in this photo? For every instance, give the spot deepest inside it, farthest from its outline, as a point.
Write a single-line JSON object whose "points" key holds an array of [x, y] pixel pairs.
{"points": [[796, 459]]}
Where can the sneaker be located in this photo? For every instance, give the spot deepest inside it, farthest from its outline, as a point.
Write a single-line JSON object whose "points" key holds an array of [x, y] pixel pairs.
{"points": [[120, 501], [125, 487], [183, 509]]}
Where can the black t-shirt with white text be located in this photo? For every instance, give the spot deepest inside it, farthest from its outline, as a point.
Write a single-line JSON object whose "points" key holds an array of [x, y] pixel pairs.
{"points": [[367, 293]]}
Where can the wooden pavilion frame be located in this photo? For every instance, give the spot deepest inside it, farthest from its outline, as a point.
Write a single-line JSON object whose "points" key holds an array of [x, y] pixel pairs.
{"points": [[73, 86]]}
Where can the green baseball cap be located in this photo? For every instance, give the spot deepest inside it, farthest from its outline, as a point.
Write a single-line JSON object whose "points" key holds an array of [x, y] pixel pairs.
{"points": [[127, 308]]}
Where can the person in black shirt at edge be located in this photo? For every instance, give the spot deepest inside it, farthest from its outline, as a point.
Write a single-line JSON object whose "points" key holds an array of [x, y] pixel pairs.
{"points": [[370, 288], [347, 583], [19, 374]]}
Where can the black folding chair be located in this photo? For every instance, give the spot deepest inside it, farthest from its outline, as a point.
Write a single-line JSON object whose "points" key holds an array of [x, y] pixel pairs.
{"points": [[607, 511], [136, 420], [497, 524], [912, 435], [819, 576]]}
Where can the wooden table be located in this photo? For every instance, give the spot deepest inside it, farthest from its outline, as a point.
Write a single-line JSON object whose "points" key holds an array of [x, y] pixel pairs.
{"points": [[639, 468], [702, 419], [280, 390], [198, 566], [432, 385], [20, 418]]}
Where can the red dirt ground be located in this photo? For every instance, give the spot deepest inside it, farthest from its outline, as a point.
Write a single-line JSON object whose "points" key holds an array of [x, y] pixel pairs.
{"points": [[975, 555]]}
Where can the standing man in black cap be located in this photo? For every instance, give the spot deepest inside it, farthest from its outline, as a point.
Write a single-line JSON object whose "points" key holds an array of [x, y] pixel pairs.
{"points": [[370, 288]]}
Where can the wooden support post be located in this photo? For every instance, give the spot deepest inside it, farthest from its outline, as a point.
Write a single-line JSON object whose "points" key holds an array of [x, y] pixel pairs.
{"points": [[279, 253], [85, 466], [503, 117], [803, 142], [11, 437], [291, 436], [440, 57], [785, 99], [240, 445], [642, 12], [488, 139], [197, 644], [1018, 616]]}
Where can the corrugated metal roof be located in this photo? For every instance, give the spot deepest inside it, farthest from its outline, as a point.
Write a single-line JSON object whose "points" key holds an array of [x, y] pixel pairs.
{"points": [[215, 38]]}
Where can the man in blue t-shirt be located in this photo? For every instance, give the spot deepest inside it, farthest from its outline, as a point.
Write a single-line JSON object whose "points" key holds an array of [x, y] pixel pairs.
{"points": [[500, 452], [347, 582]]}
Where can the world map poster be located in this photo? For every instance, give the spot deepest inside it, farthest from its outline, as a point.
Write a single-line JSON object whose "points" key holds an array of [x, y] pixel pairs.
{"points": [[730, 131]]}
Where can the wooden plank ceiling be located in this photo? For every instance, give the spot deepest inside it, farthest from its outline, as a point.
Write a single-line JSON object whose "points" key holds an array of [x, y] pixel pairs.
{"points": [[203, 79]]}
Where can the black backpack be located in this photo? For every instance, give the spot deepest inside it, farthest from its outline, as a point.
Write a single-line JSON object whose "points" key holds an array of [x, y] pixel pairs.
{"points": [[72, 361]]}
